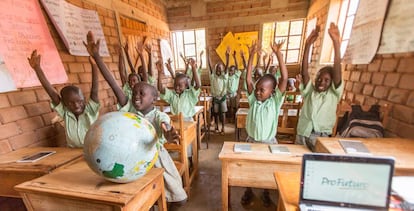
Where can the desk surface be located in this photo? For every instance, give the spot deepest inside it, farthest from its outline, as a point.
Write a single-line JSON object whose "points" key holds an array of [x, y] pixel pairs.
{"points": [[288, 185], [260, 152], [399, 148], [78, 181]]}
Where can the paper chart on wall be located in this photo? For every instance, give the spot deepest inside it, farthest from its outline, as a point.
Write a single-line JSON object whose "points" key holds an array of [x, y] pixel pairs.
{"points": [[239, 44], [397, 36], [73, 23], [25, 30], [366, 32]]}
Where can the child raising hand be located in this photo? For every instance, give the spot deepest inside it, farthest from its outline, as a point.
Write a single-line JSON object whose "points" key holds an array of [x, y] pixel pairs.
{"points": [[318, 113]]}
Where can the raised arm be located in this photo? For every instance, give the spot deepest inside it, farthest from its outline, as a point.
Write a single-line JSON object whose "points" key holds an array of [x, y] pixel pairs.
{"points": [[95, 82], [228, 50], [249, 81], [185, 60], [335, 36], [266, 68], [309, 41], [196, 77], [209, 61], [160, 68], [201, 59], [34, 62], [283, 70], [93, 50], [148, 48], [140, 51], [121, 67], [126, 50], [235, 60], [169, 68], [243, 59]]}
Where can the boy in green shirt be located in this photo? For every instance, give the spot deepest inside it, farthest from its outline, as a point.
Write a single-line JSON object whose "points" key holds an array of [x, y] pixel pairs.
{"points": [[70, 105], [142, 103], [265, 101], [318, 113]]}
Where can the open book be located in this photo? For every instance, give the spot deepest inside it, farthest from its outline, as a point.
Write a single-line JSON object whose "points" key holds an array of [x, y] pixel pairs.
{"points": [[354, 147], [242, 148], [277, 149]]}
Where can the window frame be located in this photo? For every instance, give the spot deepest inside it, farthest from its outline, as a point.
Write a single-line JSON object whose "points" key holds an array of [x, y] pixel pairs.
{"points": [[335, 15], [176, 57]]}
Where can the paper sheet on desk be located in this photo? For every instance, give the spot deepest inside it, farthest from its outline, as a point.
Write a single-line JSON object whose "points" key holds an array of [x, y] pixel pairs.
{"points": [[404, 187]]}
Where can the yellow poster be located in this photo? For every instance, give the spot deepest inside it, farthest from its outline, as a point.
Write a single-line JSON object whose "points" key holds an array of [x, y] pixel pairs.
{"points": [[238, 42]]}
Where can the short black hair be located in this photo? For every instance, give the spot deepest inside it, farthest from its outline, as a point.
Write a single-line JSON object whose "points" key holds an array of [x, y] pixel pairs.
{"points": [[133, 75], [154, 91], [180, 76], [269, 77], [64, 93], [326, 69]]}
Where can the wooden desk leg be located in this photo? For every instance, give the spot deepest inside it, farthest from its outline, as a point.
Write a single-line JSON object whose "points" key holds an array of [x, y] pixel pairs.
{"points": [[236, 131], [224, 186], [162, 201], [186, 175]]}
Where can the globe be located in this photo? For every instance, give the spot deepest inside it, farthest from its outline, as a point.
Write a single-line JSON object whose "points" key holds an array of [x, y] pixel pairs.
{"points": [[121, 146]]}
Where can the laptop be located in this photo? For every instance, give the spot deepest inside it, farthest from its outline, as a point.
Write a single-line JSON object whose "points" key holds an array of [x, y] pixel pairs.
{"points": [[344, 182]]}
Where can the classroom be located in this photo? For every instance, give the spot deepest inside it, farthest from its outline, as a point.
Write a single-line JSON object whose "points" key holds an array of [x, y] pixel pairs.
{"points": [[211, 64]]}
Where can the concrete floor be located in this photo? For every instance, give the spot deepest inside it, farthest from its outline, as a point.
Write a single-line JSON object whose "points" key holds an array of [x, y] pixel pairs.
{"points": [[206, 189]]}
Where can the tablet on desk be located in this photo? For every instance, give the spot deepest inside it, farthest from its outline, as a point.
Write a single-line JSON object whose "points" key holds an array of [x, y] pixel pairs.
{"points": [[36, 157]]}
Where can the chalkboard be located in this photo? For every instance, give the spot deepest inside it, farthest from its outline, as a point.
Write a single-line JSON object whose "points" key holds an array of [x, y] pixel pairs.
{"points": [[24, 29]]}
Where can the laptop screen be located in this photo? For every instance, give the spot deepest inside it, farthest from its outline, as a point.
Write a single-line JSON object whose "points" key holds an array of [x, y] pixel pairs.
{"points": [[346, 181]]}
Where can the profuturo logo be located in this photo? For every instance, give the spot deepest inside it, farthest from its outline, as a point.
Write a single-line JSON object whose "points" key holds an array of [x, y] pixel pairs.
{"points": [[344, 183]]}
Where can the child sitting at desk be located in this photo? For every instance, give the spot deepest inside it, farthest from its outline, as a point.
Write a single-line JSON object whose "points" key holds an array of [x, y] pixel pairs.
{"points": [[70, 105], [218, 81], [265, 101], [318, 113], [142, 103]]}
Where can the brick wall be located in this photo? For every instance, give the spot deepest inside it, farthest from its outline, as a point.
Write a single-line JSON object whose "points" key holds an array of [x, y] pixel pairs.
{"points": [[25, 115], [220, 17], [388, 79]]}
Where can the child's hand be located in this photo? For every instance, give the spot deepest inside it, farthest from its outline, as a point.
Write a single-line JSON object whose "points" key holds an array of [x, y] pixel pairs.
{"points": [[34, 60], [148, 47], [334, 32], [241, 53], [228, 50], [234, 53], [140, 48], [168, 63], [298, 79], [253, 47], [91, 45], [201, 53], [170, 134], [158, 64], [277, 45], [192, 62], [313, 35]]}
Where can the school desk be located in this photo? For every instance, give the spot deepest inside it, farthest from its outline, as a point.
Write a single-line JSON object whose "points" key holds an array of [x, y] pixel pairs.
{"points": [[399, 148], [288, 184], [255, 169], [241, 116], [202, 127], [13, 173], [207, 102], [77, 187], [189, 138]]}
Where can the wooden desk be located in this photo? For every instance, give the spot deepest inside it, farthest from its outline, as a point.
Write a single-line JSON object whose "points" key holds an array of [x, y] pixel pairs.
{"points": [[189, 138], [288, 184], [256, 168], [243, 103], [13, 173], [399, 148], [241, 116], [202, 127], [77, 187]]}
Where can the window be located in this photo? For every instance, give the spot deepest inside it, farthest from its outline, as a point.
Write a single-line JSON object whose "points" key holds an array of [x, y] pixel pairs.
{"points": [[189, 43], [291, 31], [343, 13]]}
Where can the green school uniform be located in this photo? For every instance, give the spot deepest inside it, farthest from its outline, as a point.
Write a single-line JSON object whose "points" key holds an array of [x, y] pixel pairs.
{"points": [[233, 82], [174, 190], [151, 80], [76, 128], [183, 103], [218, 85], [262, 117], [127, 90], [318, 112]]}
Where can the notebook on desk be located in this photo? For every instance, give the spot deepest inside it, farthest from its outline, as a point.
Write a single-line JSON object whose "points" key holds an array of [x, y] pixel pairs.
{"points": [[343, 182]]}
